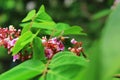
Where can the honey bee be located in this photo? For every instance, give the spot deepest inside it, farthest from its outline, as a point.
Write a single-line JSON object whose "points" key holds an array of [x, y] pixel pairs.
{"points": [[63, 38]]}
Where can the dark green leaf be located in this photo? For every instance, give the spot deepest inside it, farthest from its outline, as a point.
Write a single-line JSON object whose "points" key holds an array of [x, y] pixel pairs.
{"points": [[38, 49], [101, 14], [24, 71], [42, 78], [3, 52]]}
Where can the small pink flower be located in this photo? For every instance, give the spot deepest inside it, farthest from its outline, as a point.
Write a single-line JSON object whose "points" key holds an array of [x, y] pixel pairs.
{"points": [[48, 53], [12, 42], [16, 57], [73, 41], [44, 40], [61, 46], [53, 40]]}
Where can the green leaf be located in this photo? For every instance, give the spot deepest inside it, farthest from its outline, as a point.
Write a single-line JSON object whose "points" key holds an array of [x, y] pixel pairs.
{"points": [[65, 66], [42, 78], [38, 49], [23, 40], [101, 14], [59, 28], [110, 45], [24, 71], [95, 66], [62, 26], [66, 72], [29, 16], [66, 57], [75, 30], [44, 25], [42, 16], [41, 25], [66, 30], [25, 24], [25, 28]]}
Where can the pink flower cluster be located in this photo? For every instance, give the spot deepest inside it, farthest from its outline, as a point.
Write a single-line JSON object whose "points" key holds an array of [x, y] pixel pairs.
{"points": [[8, 37], [21, 56], [52, 46]]}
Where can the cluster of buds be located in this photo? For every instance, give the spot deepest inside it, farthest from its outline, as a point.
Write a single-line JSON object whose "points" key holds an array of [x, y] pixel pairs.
{"points": [[52, 46], [77, 48], [55, 45], [8, 37], [21, 57]]}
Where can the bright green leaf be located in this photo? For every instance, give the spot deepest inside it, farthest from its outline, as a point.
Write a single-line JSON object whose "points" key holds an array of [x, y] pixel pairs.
{"points": [[22, 41], [42, 16], [44, 25], [25, 28], [66, 57], [58, 29], [24, 71], [25, 24], [30, 15], [65, 66], [62, 26], [75, 30], [66, 72]]}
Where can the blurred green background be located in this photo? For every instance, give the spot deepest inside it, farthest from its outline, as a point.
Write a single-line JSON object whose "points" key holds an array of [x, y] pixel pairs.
{"points": [[89, 14]]}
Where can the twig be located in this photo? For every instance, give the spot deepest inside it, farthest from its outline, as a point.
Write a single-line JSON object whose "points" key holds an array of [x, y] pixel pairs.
{"points": [[46, 69], [31, 23], [117, 76], [85, 56], [52, 33]]}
